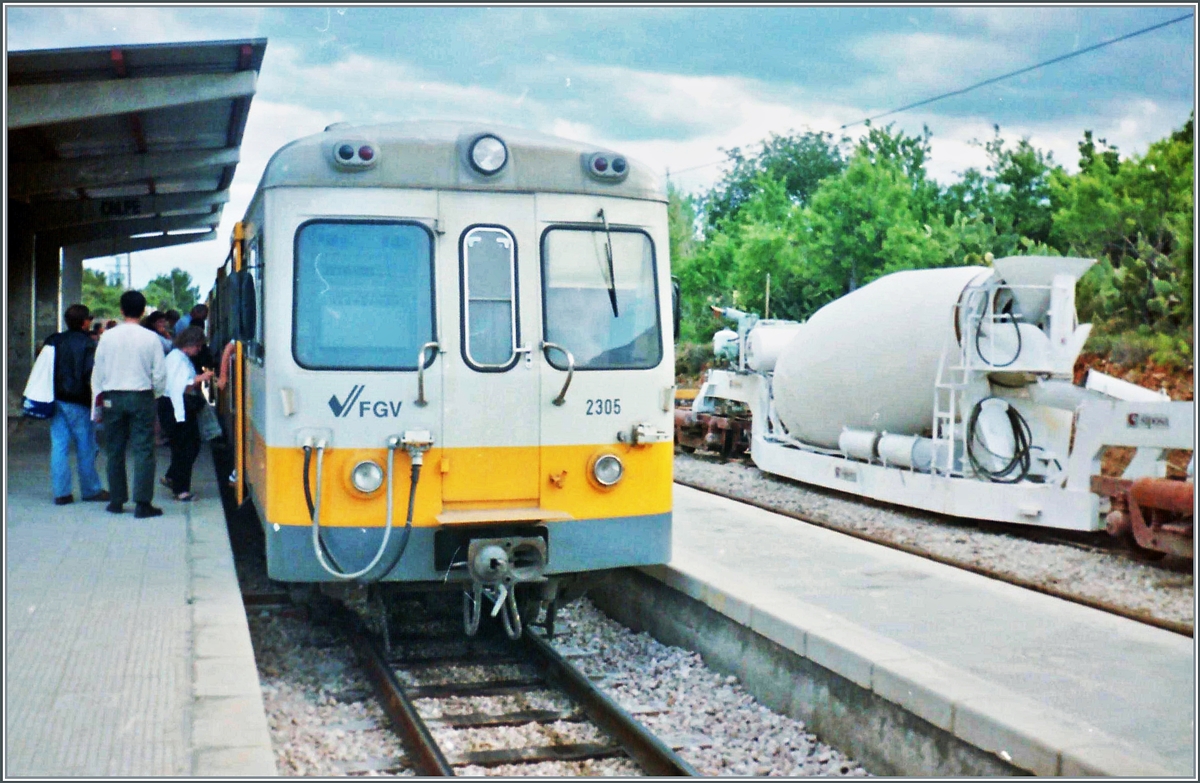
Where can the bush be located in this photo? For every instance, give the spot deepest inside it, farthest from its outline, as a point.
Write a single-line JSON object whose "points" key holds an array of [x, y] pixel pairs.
{"points": [[692, 358], [1135, 347]]}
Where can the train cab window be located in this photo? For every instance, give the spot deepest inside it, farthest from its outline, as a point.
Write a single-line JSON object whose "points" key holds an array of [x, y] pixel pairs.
{"points": [[490, 327], [363, 294], [607, 319]]}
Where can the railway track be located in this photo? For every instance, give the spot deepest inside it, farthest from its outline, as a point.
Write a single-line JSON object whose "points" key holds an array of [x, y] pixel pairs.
{"points": [[1185, 629], [434, 680]]}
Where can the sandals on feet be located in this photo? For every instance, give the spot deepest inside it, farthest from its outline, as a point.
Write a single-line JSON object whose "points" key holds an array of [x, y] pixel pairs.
{"points": [[185, 497]]}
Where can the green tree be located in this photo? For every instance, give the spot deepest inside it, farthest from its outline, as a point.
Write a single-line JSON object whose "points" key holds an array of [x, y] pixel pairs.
{"points": [[1138, 219], [99, 296], [1013, 196], [849, 220], [799, 161], [172, 291], [681, 223]]}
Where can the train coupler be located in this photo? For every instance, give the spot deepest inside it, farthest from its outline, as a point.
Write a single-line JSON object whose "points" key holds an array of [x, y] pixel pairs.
{"points": [[496, 567]]}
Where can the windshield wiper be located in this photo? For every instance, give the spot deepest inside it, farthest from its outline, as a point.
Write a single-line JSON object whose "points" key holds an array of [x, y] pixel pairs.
{"points": [[612, 278]]}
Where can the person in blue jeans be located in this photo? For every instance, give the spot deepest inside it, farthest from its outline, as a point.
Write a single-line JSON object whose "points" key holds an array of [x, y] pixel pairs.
{"points": [[74, 354]]}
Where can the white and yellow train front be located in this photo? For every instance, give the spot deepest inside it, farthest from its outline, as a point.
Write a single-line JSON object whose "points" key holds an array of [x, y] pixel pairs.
{"points": [[493, 302]]}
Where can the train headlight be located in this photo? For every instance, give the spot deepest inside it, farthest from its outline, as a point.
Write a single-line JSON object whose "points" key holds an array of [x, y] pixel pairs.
{"points": [[608, 469], [366, 477], [488, 154]]}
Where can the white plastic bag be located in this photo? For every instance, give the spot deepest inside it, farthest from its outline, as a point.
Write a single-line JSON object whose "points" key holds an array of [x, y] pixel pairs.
{"points": [[206, 418], [39, 391]]}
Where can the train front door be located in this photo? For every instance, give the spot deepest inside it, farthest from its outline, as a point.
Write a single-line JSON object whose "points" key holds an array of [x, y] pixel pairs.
{"points": [[491, 322]]}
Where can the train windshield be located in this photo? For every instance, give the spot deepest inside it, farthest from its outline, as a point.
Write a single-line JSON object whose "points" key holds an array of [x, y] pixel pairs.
{"points": [[579, 314], [363, 296]]}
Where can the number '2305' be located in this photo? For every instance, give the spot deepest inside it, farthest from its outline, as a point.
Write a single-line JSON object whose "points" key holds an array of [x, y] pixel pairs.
{"points": [[603, 407]]}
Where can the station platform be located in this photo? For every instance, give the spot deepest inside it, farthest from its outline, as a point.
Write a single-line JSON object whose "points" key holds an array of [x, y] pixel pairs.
{"points": [[127, 651], [1050, 686]]}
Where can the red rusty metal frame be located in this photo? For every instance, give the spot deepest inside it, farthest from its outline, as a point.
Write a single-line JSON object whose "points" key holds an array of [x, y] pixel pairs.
{"points": [[728, 435], [1158, 512]]}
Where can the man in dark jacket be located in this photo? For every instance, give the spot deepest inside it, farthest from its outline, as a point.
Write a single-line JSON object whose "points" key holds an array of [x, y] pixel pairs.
{"points": [[74, 353]]}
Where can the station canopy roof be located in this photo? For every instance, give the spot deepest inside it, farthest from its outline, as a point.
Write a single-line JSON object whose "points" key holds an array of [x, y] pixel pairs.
{"points": [[122, 148]]}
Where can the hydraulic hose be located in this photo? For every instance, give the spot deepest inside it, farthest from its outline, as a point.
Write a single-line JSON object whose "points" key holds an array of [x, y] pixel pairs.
{"points": [[1022, 440], [308, 500], [318, 544], [412, 497], [979, 333]]}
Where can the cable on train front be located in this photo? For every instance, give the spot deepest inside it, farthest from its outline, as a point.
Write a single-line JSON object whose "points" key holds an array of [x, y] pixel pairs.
{"points": [[495, 565], [416, 443]]}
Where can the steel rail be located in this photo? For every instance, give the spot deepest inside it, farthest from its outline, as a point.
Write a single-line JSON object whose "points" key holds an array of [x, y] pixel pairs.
{"points": [[414, 734], [1138, 615], [651, 753]]}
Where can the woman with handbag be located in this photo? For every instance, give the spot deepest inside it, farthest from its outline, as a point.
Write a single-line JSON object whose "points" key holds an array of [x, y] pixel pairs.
{"points": [[183, 386]]}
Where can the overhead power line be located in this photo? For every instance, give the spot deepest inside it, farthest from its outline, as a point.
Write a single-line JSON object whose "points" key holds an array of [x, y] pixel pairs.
{"points": [[995, 79]]}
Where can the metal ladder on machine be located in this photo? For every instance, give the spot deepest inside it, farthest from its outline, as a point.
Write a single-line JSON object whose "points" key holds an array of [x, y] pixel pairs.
{"points": [[948, 394]]}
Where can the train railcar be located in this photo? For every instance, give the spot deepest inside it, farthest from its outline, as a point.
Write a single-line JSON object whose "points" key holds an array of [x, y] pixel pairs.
{"points": [[453, 362]]}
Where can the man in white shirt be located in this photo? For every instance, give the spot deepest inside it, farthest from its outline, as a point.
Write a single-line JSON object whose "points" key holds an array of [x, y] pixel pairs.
{"points": [[130, 373]]}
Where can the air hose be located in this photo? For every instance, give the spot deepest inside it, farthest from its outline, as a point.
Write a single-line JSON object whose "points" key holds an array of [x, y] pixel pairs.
{"points": [[412, 497], [1022, 439], [319, 548], [308, 501], [979, 332]]}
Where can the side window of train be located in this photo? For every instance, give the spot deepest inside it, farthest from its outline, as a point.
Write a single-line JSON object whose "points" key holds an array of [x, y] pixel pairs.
{"points": [[254, 265], [606, 316], [490, 324], [363, 294]]}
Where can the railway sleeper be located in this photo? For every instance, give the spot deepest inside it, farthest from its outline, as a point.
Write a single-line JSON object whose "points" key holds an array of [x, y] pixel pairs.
{"points": [[505, 687], [533, 755], [480, 720]]}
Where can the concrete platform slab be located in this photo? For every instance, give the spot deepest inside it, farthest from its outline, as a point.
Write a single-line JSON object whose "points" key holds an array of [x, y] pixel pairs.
{"points": [[1038, 681], [103, 651]]}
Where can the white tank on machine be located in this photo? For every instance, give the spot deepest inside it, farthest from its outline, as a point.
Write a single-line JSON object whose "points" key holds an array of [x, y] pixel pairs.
{"points": [[869, 360], [766, 341]]}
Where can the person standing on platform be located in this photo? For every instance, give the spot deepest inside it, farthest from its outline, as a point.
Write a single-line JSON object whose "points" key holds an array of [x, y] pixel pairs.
{"points": [[197, 313], [159, 323], [182, 391], [74, 354], [129, 373]]}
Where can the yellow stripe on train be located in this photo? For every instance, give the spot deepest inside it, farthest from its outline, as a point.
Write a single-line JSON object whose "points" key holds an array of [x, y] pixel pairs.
{"points": [[550, 479]]}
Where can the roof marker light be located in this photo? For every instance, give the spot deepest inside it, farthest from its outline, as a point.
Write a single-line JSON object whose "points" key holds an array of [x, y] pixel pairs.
{"points": [[606, 167], [488, 154]]}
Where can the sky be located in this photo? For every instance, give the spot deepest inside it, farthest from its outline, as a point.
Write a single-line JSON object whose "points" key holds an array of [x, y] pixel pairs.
{"points": [[670, 86]]}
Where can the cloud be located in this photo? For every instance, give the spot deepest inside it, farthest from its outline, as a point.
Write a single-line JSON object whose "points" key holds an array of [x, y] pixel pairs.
{"points": [[906, 63], [58, 27], [1018, 20]]}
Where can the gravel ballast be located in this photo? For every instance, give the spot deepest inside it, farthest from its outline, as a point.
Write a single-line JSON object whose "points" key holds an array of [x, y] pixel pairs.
{"points": [[1096, 575], [723, 730], [324, 722]]}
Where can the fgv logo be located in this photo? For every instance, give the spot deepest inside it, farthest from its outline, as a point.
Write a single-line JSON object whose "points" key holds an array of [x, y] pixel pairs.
{"points": [[380, 409]]}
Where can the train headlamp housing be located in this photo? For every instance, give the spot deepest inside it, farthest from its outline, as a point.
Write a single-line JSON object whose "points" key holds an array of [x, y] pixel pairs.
{"points": [[606, 166], [354, 153], [367, 477], [488, 154], [608, 470]]}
